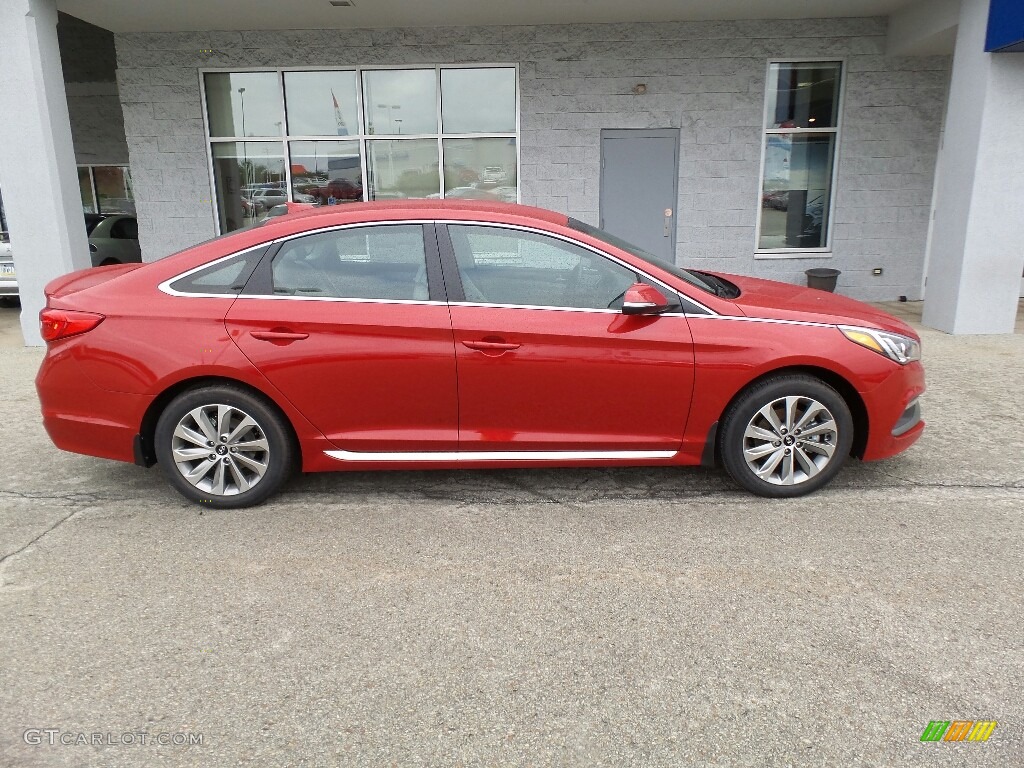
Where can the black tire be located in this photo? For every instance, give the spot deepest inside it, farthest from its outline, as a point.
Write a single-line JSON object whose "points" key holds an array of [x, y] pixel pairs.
{"points": [[806, 467], [236, 468]]}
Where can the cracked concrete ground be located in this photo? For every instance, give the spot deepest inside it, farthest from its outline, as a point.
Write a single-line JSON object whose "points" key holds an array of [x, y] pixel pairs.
{"points": [[548, 617]]}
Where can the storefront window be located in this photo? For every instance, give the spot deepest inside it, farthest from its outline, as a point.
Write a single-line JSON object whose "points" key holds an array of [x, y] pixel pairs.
{"points": [[249, 179], [404, 168], [326, 172], [85, 187], [321, 103], [801, 134], [479, 100], [483, 169], [400, 101], [327, 137], [106, 189], [113, 189], [243, 104]]}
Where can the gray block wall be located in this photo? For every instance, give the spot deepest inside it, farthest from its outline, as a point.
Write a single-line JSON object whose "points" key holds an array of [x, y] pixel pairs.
{"points": [[89, 64], [705, 78]]}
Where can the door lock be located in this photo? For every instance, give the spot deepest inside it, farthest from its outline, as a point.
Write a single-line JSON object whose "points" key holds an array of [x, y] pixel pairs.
{"points": [[668, 222]]}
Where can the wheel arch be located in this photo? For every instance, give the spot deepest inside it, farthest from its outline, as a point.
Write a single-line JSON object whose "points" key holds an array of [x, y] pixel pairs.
{"points": [[858, 410], [145, 452]]}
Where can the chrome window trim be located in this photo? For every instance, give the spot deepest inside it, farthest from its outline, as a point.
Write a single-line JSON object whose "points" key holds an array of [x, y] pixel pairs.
{"points": [[586, 246], [461, 456], [165, 286], [345, 299]]}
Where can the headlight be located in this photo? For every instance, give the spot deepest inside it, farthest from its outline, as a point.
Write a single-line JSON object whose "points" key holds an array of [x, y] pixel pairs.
{"points": [[900, 349]]}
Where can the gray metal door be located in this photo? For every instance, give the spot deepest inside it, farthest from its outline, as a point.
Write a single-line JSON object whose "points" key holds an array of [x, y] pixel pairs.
{"points": [[639, 184]]}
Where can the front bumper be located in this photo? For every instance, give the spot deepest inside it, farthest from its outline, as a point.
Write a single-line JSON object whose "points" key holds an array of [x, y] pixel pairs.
{"points": [[894, 413]]}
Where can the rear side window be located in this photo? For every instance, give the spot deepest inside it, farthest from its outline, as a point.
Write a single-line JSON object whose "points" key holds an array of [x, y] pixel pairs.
{"points": [[223, 277], [375, 262]]}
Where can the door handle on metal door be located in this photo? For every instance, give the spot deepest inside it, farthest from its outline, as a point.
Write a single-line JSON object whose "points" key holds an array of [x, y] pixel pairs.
{"points": [[668, 222], [491, 346], [278, 335]]}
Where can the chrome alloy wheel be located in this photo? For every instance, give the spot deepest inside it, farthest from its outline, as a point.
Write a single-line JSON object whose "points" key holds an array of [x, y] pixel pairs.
{"points": [[790, 440], [220, 449]]}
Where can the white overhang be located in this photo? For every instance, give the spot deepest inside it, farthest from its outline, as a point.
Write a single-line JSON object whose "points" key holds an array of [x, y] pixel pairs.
{"points": [[194, 15], [924, 28]]}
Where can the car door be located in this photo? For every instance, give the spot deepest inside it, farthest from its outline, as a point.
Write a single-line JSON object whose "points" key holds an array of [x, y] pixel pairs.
{"points": [[351, 325], [546, 359]]}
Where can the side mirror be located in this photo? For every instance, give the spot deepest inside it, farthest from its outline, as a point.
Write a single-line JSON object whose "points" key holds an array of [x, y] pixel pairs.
{"points": [[644, 299]]}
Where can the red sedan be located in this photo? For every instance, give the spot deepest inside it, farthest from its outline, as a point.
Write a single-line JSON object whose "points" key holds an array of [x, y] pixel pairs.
{"points": [[417, 334]]}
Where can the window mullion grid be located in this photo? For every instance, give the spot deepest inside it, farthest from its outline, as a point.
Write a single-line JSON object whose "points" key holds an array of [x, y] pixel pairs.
{"points": [[285, 139], [440, 134]]}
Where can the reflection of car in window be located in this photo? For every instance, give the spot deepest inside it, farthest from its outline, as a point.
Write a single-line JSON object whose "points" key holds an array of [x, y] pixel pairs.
{"points": [[338, 190], [113, 239], [494, 173]]}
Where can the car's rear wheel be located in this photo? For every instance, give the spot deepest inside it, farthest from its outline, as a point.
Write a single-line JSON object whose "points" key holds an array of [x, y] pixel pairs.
{"points": [[223, 447], [786, 436]]}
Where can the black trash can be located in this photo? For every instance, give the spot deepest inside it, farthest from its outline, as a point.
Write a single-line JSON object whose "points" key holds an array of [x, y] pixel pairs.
{"points": [[822, 278]]}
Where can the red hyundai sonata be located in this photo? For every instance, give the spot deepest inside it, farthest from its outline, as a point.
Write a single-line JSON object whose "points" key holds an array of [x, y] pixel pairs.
{"points": [[417, 334]]}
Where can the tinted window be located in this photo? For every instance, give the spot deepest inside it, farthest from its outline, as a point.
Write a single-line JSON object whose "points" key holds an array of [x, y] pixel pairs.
{"points": [[91, 220], [125, 229], [684, 274], [224, 277], [376, 262], [503, 266]]}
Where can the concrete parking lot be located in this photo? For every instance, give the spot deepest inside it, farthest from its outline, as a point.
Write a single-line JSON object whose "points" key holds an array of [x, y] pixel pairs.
{"points": [[552, 617]]}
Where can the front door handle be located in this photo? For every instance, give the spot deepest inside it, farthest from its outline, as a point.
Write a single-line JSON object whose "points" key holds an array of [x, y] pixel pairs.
{"points": [[278, 335], [491, 346]]}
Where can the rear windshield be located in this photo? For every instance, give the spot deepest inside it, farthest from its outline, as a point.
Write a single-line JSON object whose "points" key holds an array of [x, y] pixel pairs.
{"points": [[693, 278]]}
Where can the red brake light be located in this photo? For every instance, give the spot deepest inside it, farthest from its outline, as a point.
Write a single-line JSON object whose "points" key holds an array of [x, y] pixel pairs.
{"points": [[60, 323]]}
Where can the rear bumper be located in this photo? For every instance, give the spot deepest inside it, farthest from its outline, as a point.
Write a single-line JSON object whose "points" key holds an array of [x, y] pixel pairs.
{"points": [[82, 418], [894, 413]]}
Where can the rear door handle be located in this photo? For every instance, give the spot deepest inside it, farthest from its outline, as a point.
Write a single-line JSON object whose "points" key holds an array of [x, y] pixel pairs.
{"points": [[278, 335], [491, 346]]}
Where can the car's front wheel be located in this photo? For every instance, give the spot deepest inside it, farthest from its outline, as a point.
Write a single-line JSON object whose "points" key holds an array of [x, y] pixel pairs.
{"points": [[223, 447], [786, 436]]}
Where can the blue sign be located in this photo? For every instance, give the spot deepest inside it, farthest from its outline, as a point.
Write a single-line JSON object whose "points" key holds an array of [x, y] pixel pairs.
{"points": [[1005, 26]]}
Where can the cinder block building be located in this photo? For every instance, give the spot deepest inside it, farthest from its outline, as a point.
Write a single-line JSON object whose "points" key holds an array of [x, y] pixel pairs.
{"points": [[879, 138]]}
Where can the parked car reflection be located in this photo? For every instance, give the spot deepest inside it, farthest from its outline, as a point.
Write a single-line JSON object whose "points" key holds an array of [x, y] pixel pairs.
{"points": [[113, 239]]}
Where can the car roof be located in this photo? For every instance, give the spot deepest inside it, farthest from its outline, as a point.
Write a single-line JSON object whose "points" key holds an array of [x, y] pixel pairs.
{"points": [[428, 208]]}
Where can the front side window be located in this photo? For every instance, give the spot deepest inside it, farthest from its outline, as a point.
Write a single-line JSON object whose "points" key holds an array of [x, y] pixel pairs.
{"points": [[385, 262], [800, 138], [329, 137], [503, 266]]}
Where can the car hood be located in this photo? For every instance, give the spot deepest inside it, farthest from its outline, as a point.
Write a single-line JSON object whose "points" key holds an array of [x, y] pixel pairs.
{"points": [[784, 301]]}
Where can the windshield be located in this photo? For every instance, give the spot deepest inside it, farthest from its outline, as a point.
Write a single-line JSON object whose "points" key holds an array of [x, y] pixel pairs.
{"points": [[693, 278]]}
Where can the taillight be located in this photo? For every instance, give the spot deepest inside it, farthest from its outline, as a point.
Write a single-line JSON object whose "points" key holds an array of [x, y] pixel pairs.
{"points": [[60, 323]]}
